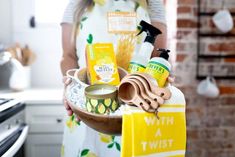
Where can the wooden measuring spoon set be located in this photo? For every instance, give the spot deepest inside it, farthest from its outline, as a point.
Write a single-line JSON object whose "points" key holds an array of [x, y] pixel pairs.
{"points": [[141, 90]]}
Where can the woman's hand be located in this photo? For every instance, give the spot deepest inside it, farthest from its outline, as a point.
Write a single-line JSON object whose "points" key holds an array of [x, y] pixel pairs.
{"points": [[171, 79], [66, 82]]}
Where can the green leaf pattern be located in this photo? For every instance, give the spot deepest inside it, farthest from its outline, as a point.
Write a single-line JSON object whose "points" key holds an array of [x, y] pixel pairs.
{"points": [[88, 153], [118, 146], [136, 6], [82, 21], [90, 39], [110, 145], [84, 152]]}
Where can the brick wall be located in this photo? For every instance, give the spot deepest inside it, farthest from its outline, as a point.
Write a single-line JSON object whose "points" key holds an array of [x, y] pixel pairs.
{"points": [[210, 122]]}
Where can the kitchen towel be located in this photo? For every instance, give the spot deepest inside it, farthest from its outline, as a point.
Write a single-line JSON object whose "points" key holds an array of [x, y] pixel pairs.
{"points": [[147, 135]]}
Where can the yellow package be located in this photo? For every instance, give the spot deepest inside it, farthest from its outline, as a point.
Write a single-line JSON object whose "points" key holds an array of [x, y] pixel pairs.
{"points": [[101, 64]]}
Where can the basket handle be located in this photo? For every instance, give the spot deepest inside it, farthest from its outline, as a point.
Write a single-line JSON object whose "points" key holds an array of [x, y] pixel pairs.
{"points": [[68, 73]]}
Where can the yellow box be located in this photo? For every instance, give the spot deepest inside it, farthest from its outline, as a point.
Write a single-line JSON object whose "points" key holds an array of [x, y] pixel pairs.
{"points": [[101, 64]]}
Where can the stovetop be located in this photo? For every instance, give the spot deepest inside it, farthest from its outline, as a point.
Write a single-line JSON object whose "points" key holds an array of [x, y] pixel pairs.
{"points": [[7, 103], [4, 100]]}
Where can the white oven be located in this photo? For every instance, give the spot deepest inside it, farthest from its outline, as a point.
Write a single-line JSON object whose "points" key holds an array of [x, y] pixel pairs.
{"points": [[13, 130]]}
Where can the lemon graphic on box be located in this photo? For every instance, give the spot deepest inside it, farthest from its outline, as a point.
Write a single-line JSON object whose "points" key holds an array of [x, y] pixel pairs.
{"points": [[104, 60]]}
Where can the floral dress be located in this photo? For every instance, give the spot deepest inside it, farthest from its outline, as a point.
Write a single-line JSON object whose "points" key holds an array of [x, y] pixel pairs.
{"points": [[80, 140]]}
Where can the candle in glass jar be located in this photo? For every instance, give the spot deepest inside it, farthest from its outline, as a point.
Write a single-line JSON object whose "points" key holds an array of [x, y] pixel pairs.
{"points": [[101, 99], [101, 91]]}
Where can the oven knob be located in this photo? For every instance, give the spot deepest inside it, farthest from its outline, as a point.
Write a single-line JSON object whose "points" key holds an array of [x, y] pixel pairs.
{"points": [[8, 126], [17, 121], [59, 120]]}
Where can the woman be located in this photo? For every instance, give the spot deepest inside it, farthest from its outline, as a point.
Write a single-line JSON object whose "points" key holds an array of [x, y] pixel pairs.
{"points": [[85, 17]]}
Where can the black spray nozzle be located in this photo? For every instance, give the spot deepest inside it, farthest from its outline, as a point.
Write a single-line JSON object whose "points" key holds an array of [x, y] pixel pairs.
{"points": [[164, 53], [152, 32]]}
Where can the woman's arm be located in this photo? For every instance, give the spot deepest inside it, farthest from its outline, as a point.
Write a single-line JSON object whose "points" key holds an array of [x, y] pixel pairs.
{"points": [[161, 41], [158, 19], [69, 58]]}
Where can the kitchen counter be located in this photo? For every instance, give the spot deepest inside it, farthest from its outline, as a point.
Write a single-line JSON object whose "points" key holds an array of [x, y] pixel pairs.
{"points": [[35, 96]]}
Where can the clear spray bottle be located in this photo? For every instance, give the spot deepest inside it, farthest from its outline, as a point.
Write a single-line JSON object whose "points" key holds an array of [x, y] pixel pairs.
{"points": [[141, 58]]}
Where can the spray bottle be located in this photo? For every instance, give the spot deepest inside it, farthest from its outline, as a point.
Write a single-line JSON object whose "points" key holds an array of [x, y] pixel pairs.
{"points": [[159, 67], [140, 59]]}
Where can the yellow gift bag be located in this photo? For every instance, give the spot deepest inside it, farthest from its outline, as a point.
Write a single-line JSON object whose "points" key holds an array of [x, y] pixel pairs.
{"points": [[146, 135]]}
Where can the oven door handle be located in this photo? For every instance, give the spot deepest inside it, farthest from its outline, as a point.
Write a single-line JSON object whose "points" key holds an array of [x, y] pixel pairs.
{"points": [[16, 146]]}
